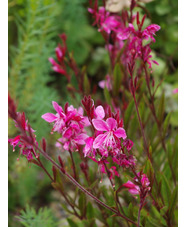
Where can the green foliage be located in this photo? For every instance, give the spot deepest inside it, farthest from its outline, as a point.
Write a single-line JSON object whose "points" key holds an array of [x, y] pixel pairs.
{"points": [[29, 67], [23, 187], [117, 79], [43, 218], [74, 22]]}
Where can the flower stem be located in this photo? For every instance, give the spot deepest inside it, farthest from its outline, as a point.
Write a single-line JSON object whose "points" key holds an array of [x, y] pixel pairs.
{"points": [[42, 166], [73, 165], [141, 126], [139, 212], [81, 187]]}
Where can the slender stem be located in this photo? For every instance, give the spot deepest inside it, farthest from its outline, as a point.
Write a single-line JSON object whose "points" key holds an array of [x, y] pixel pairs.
{"points": [[67, 200], [42, 166], [139, 211], [81, 187], [73, 165], [72, 206], [141, 126], [108, 175]]}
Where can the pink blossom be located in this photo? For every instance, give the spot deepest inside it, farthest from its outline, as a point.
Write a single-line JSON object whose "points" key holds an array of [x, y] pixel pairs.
{"points": [[175, 91], [99, 112], [56, 67], [124, 160], [128, 144], [101, 163], [149, 31], [88, 146], [58, 119], [14, 141], [112, 133], [133, 189], [25, 148], [137, 189], [113, 172], [70, 124], [106, 83]]}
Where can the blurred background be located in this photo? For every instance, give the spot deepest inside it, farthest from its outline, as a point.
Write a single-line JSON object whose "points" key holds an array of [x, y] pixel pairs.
{"points": [[34, 26]]}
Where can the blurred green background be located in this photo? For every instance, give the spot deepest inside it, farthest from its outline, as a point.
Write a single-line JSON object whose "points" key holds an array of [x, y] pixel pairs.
{"points": [[34, 26]]}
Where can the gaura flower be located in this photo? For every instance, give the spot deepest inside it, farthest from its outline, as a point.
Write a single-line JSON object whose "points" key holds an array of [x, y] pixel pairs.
{"points": [[111, 135], [136, 189]]}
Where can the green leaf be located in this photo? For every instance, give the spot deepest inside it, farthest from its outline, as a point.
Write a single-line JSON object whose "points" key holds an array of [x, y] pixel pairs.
{"points": [[93, 185], [173, 201], [165, 190], [90, 211], [86, 84], [150, 172], [130, 211], [82, 204], [71, 223], [128, 114], [163, 210], [166, 124], [107, 95], [161, 108], [117, 79]]}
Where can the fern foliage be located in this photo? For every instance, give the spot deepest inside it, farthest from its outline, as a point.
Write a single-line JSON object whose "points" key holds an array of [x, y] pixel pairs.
{"points": [[42, 218], [29, 67]]}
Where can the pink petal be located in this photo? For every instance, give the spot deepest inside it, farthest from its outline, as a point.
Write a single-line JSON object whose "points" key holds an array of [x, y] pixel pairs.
{"points": [[129, 184], [175, 91], [80, 139], [102, 168], [100, 125], [52, 61], [99, 140], [57, 108], [68, 133], [134, 191], [120, 133], [80, 111], [111, 123], [49, 117], [102, 84], [100, 112], [88, 146]]}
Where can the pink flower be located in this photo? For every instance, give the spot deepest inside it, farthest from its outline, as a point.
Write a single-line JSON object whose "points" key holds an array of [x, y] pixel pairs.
{"points": [[111, 136], [124, 160], [22, 142], [137, 189], [58, 119], [106, 83], [88, 146], [99, 112], [56, 67], [113, 172], [14, 141], [149, 31], [175, 91], [70, 124], [101, 163], [110, 24], [128, 144], [133, 189]]}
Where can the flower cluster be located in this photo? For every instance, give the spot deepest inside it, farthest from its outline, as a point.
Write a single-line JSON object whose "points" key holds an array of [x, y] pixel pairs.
{"points": [[70, 123], [141, 185], [60, 54], [119, 29], [108, 138], [125, 37], [26, 140]]}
